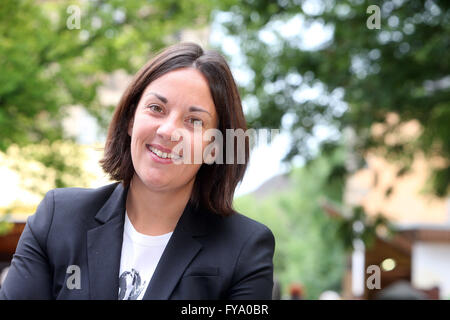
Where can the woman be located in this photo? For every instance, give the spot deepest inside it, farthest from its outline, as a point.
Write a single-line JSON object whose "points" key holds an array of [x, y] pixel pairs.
{"points": [[166, 229]]}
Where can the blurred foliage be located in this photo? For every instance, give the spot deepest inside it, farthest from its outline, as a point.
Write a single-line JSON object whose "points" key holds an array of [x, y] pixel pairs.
{"points": [[45, 65], [402, 68], [42, 167], [358, 225], [46, 165], [5, 225], [309, 248]]}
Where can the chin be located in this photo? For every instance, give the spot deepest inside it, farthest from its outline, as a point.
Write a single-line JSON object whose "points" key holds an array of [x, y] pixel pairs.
{"points": [[151, 180], [155, 183]]}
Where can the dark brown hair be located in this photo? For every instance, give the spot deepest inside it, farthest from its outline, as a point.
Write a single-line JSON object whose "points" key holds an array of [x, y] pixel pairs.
{"points": [[215, 183]]}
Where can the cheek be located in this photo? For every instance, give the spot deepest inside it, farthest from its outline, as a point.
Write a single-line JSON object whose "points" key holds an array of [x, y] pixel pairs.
{"points": [[198, 143], [188, 172], [197, 148], [142, 131], [193, 144]]}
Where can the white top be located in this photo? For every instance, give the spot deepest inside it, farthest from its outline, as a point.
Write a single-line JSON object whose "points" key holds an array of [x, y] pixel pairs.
{"points": [[140, 256]]}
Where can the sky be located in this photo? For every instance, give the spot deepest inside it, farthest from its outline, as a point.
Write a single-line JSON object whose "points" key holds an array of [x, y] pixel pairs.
{"points": [[265, 162]]}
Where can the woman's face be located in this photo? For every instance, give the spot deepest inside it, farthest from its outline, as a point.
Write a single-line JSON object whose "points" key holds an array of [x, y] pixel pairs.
{"points": [[177, 100]]}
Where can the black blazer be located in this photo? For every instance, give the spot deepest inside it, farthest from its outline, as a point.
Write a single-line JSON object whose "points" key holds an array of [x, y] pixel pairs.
{"points": [[207, 257]]}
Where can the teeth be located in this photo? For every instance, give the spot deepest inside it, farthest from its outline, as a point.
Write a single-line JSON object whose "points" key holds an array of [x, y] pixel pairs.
{"points": [[163, 154]]}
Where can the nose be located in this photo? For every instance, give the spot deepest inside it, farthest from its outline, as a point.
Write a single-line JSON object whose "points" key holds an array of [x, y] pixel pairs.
{"points": [[167, 128]]}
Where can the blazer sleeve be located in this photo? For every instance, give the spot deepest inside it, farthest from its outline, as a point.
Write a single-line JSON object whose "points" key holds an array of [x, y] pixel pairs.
{"points": [[253, 275], [29, 276]]}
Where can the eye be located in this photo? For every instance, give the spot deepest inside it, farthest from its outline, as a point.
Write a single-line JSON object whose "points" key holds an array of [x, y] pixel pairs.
{"points": [[194, 121], [155, 108]]}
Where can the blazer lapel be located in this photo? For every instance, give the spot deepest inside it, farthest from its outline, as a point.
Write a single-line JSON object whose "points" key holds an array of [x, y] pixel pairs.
{"points": [[179, 252], [104, 246]]}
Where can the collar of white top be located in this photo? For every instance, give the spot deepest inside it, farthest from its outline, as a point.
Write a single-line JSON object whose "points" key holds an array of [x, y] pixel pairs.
{"points": [[143, 238]]}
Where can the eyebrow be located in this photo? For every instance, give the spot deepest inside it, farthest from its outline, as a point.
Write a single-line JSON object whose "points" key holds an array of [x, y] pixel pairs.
{"points": [[191, 108], [160, 97]]}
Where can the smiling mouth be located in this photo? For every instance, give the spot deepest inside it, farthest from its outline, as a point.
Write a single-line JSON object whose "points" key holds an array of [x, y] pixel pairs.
{"points": [[162, 155]]}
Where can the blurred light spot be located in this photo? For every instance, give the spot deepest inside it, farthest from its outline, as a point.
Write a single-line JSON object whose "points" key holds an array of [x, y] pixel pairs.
{"points": [[388, 264], [358, 226], [393, 21], [84, 35]]}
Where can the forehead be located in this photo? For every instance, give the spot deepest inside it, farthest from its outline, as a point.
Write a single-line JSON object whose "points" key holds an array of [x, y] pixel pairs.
{"points": [[187, 84]]}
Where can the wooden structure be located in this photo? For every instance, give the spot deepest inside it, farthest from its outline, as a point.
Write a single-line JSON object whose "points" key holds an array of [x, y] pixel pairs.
{"points": [[8, 243]]}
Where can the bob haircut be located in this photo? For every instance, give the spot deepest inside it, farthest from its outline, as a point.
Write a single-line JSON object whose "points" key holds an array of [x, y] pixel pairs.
{"points": [[215, 183]]}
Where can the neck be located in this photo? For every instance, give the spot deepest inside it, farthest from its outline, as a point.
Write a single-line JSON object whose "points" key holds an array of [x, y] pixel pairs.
{"points": [[155, 212]]}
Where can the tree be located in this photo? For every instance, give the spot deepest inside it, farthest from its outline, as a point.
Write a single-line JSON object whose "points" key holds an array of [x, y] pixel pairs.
{"points": [[362, 74], [48, 62], [55, 54], [309, 248]]}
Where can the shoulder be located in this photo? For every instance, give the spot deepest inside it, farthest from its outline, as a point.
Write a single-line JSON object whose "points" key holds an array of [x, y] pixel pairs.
{"points": [[68, 199], [68, 204], [66, 210], [245, 224], [74, 195], [237, 228], [253, 232], [244, 248]]}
